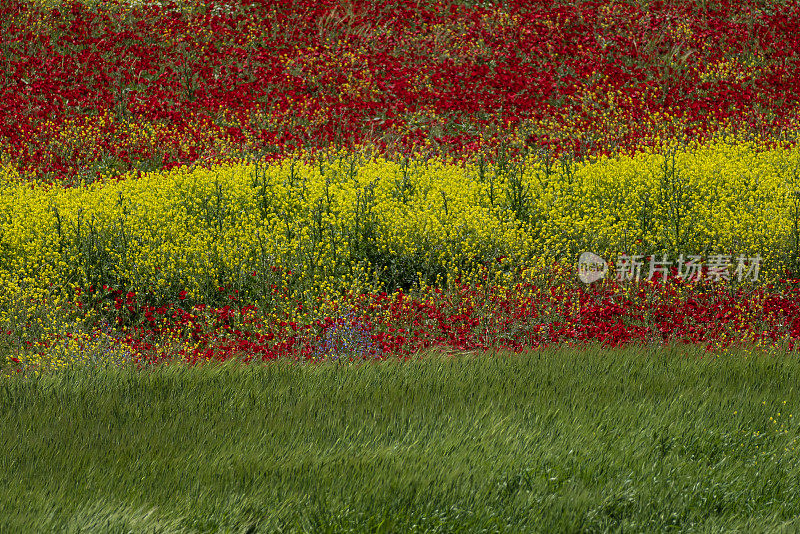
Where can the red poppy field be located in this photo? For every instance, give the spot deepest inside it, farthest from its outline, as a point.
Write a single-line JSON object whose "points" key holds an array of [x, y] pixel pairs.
{"points": [[101, 92]]}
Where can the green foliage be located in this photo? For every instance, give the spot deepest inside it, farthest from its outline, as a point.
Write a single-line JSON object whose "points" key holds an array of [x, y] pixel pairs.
{"points": [[564, 440]]}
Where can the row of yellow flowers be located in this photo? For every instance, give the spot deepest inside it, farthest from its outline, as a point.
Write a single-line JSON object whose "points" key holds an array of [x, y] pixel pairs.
{"points": [[344, 221]]}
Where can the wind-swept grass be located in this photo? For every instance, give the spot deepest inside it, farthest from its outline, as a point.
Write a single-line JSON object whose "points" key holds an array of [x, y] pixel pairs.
{"points": [[562, 440]]}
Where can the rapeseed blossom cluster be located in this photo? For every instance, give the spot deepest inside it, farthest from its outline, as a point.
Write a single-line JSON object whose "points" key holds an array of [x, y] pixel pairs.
{"points": [[285, 244], [351, 222]]}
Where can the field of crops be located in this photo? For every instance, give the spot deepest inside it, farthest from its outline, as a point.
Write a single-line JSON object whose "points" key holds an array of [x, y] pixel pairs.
{"points": [[367, 180], [195, 182]]}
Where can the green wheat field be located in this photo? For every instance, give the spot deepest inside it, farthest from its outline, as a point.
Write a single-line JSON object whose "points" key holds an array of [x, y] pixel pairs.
{"points": [[559, 440]]}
